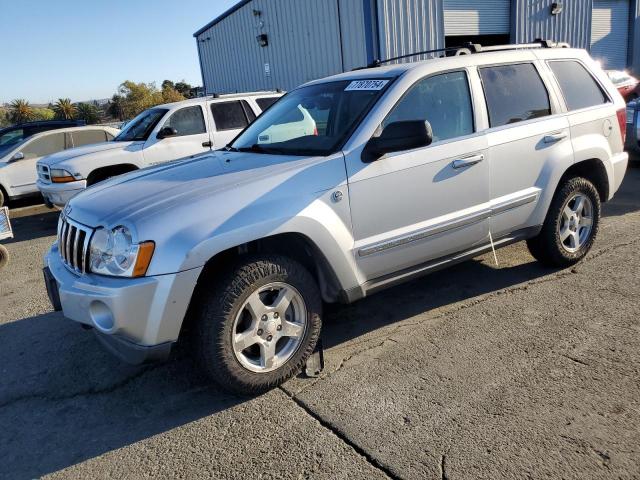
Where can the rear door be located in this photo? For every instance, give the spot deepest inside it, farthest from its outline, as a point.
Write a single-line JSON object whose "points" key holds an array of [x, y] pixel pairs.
{"points": [[527, 133], [80, 138], [192, 138], [230, 117]]}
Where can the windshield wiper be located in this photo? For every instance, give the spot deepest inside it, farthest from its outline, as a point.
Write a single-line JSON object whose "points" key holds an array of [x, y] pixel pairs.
{"points": [[229, 148], [257, 148]]}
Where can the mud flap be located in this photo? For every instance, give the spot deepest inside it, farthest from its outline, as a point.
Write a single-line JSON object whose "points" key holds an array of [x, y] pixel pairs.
{"points": [[315, 362]]}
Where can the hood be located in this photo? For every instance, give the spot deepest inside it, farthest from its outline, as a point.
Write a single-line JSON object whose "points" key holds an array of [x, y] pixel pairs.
{"points": [[84, 150], [142, 196]]}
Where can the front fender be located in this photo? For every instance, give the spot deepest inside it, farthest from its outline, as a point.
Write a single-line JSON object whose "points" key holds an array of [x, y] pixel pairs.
{"points": [[85, 164], [319, 221]]}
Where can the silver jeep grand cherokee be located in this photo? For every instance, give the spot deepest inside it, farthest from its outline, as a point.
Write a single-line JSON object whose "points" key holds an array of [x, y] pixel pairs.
{"points": [[409, 168]]}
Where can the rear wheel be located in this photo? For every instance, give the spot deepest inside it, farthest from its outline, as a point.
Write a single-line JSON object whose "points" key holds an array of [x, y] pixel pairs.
{"points": [[257, 326], [2, 197], [571, 225]]}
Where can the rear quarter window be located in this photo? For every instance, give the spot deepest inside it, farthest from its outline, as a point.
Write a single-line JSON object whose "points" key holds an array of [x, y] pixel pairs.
{"points": [[579, 88]]}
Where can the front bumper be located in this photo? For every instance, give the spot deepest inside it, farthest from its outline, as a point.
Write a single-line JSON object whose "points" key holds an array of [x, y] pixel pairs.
{"points": [[138, 319], [58, 194]]}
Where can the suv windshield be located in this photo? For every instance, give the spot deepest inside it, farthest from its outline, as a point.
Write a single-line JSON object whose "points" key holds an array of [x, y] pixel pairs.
{"points": [[141, 127], [313, 120]]}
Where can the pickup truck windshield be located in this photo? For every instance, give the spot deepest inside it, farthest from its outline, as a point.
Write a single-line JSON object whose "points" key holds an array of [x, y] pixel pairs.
{"points": [[141, 127], [313, 120]]}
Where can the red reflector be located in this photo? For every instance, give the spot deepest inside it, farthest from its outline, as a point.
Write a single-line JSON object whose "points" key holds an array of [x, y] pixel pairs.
{"points": [[315, 132], [622, 121]]}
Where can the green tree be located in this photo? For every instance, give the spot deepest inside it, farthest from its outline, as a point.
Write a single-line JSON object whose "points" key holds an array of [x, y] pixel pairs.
{"points": [[167, 84], [137, 97], [184, 89], [88, 112], [43, 114], [64, 109], [20, 111], [4, 117], [116, 107]]}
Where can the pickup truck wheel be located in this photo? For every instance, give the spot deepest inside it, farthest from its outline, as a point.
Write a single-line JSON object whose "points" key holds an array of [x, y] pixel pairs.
{"points": [[257, 326], [571, 225], [2, 198]]}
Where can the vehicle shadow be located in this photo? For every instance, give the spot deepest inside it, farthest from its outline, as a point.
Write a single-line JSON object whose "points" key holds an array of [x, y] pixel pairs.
{"points": [[64, 399], [42, 223]]}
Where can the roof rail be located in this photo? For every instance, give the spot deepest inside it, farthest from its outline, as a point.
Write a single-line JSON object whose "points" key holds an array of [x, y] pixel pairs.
{"points": [[472, 48]]}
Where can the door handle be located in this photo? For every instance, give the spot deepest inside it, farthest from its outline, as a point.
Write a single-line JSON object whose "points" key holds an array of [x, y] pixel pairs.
{"points": [[554, 137], [467, 161], [207, 144]]}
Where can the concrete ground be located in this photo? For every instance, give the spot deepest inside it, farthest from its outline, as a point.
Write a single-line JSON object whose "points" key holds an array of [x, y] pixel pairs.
{"points": [[476, 372]]}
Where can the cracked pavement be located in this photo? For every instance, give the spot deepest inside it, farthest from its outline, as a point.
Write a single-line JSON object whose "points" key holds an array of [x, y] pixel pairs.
{"points": [[474, 372]]}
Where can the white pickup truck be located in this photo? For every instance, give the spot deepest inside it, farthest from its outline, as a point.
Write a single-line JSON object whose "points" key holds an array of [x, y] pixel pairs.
{"points": [[159, 134]]}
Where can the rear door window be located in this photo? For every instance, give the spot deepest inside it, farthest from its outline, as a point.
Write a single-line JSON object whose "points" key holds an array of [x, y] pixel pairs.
{"points": [[88, 137], [229, 115], [187, 121], [266, 102], [514, 93], [46, 145], [579, 88]]}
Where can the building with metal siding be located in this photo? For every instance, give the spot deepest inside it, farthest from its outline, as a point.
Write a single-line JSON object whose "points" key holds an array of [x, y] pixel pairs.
{"points": [[271, 44]]}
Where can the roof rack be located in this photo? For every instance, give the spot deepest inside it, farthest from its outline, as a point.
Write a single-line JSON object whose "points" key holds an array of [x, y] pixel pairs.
{"points": [[472, 48]]}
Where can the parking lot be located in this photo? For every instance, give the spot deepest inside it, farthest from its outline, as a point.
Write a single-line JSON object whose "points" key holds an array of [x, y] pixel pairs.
{"points": [[480, 371]]}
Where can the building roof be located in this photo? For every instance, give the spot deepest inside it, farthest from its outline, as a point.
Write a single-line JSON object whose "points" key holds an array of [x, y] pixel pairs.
{"points": [[218, 19]]}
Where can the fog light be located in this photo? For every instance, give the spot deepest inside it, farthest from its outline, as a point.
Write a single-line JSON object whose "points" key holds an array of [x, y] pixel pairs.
{"points": [[101, 316]]}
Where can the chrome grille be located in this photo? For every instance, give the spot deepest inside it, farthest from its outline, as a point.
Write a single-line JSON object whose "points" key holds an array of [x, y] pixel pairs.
{"points": [[44, 173], [73, 244]]}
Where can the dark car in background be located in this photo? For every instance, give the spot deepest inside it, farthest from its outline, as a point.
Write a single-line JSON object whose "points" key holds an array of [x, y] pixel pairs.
{"points": [[627, 85], [11, 135]]}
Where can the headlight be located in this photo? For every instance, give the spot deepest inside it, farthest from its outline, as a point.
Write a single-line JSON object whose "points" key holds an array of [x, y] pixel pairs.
{"points": [[112, 252], [59, 175]]}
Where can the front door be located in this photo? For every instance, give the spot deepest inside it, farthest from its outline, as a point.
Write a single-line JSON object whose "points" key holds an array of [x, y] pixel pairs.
{"points": [[22, 174], [415, 206], [192, 137]]}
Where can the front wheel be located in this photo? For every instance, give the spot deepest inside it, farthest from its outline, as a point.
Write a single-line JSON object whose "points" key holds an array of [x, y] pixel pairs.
{"points": [[4, 256], [571, 225], [257, 326]]}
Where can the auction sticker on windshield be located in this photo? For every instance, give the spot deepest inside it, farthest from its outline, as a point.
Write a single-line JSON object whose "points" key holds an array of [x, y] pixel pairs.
{"points": [[366, 85]]}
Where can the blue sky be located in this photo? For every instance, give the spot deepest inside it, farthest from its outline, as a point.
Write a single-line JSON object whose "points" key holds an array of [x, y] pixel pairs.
{"points": [[83, 49]]}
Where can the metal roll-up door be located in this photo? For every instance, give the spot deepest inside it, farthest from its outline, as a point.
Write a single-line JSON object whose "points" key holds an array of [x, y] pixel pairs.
{"points": [[610, 33], [476, 17]]}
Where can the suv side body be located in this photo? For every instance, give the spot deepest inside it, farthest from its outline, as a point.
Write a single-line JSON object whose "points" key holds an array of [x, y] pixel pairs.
{"points": [[490, 176], [202, 124]]}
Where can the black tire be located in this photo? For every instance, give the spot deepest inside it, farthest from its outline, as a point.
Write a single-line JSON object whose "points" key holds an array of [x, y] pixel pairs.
{"points": [[2, 197], [218, 303], [4, 256], [547, 247]]}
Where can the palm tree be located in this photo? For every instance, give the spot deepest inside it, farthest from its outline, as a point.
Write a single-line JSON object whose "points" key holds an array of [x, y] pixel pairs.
{"points": [[65, 110], [88, 112], [20, 111]]}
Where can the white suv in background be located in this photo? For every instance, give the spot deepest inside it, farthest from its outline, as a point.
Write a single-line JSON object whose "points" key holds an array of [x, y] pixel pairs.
{"points": [[18, 161], [159, 134]]}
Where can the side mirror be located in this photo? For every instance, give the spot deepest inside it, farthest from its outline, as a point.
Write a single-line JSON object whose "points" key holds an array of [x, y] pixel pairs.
{"points": [[397, 137], [17, 156], [166, 132]]}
